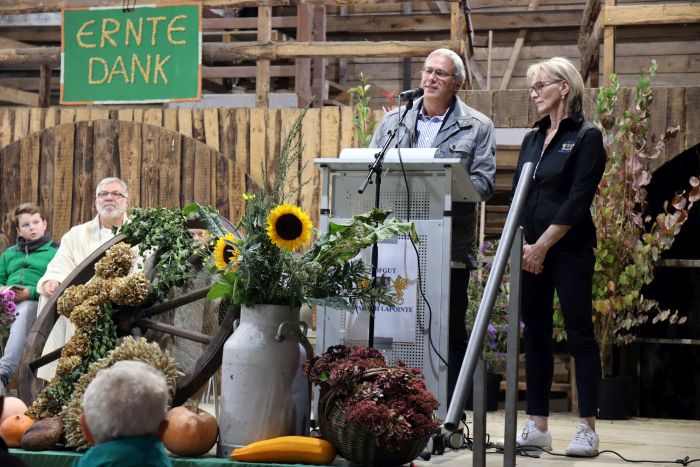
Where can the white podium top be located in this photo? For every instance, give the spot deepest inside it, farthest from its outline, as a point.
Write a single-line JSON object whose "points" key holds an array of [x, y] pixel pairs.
{"points": [[414, 159]]}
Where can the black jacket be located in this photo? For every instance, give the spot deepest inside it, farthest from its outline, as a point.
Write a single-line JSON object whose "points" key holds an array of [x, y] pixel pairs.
{"points": [[566, 179]]}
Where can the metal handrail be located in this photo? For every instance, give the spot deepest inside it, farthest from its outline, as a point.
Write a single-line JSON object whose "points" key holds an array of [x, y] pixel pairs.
{"points": [[474, 347]]}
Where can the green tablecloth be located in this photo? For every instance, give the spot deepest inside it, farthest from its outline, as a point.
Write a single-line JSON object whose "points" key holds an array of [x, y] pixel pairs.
{"points": [[66, 459]]}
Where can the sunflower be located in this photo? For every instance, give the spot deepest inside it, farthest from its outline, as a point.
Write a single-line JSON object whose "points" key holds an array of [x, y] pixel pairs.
{"points": [[226, 252], [288, 226]]}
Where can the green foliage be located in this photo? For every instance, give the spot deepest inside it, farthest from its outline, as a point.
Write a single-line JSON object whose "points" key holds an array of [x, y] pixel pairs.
{"points": [[364, 123], [163, 230], [630, 242], [261, 272]]}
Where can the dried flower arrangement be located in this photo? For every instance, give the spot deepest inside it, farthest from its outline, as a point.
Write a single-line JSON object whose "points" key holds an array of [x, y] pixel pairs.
{"points": [[7, 312], [90, 308], [392, 403]]}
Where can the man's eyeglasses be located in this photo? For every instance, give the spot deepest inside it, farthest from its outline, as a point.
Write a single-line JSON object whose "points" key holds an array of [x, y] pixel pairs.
{"points": [[540, 85], [438, 72], [114, 194]]}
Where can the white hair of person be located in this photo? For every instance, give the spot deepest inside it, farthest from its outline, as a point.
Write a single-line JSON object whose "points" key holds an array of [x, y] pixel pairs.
{"points": [[107, 180], [560, 68], [460, 72], [128, 399]]}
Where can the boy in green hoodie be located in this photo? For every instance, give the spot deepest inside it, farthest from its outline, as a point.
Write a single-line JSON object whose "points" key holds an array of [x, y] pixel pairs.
{"points": [[21, 267]]}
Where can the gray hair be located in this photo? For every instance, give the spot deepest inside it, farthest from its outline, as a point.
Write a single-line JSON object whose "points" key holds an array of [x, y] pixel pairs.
{"points": [[560, 68], [460, 72], [125, 400], [107, 180]]}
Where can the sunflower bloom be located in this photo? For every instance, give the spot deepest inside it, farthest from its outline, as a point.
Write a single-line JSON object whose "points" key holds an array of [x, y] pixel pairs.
{"points": [[226, 252], [288, 226]]}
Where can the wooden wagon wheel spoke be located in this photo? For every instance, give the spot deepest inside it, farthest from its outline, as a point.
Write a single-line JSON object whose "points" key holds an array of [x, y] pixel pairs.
{"points": [[207, 363]]}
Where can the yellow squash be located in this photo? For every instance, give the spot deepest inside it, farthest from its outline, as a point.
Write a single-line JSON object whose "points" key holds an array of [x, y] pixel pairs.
{"points": [[287, 449]]}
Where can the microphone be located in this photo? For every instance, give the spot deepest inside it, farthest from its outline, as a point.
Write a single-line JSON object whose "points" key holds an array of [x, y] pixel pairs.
{"points": [[411, 94]]}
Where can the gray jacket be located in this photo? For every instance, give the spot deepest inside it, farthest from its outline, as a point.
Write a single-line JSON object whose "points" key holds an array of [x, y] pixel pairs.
{"points": [[467, 135]]}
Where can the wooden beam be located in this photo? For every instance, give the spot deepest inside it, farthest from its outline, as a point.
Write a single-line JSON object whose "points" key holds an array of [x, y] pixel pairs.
{"points": [[6, 43], [276, 71], [44, 97], [262, 77], [37, 6], [481, 21], [318, 66], [666, 13], [589, 56], [302, 76], [278, 22], [276, 51], [31, 56], [590, 15], [255, 50], [515, 53], [608, 46], [17, 96]]}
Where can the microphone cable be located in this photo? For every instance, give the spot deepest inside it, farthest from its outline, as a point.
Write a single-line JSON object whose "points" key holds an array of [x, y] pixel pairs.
{"points": [[415, 249]]}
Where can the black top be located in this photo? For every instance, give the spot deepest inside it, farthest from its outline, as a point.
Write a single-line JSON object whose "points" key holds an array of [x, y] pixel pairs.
{"points": [[565, 180]]}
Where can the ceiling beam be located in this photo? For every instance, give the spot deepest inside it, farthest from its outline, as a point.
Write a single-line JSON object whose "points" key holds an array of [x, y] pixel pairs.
{"points": [[37, 6], [669, 13], [212, 52]]}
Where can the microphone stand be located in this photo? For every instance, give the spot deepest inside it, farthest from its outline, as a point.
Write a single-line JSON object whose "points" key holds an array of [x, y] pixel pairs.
{"points": [[376, 170]]}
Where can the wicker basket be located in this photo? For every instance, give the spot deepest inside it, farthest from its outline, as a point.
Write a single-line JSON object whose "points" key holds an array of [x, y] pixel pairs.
{"points": [[357, 444]]}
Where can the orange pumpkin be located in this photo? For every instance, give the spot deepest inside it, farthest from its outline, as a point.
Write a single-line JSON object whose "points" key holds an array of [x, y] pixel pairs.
{"points": [[10, 407], [13, 428], [190, 432]]}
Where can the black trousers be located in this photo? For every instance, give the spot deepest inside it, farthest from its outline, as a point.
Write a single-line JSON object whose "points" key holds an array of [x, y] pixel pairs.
{"points": [[571, 275], [459, 280]]}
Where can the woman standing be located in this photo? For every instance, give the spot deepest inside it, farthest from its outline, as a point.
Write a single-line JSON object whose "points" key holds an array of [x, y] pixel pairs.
{"points": [[569, 159]]}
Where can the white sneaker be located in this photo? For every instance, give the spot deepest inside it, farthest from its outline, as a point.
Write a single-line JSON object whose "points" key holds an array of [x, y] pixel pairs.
{"points": [[585, 443], [532, 439]]}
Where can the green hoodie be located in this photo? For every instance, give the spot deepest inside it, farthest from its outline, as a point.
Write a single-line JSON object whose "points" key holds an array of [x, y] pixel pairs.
{"points": [[25, 269]]}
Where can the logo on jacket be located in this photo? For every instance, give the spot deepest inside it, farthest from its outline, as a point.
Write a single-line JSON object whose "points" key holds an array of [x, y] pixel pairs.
{"points": [[567, 147]]}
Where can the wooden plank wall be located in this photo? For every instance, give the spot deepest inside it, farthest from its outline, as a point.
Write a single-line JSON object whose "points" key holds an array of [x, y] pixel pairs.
{"points": [[182, 155]]}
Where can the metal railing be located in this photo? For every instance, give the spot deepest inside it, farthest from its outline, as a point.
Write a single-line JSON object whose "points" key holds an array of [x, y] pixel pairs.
{"points": [[473, 368]]}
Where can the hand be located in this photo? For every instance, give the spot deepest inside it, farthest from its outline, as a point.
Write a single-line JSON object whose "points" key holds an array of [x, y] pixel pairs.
{"points": [[49, 287], [533, 258], [21, 293]]}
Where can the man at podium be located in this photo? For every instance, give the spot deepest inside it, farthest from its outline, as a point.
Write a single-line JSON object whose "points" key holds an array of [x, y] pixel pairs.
{"points": [[440, 119]]}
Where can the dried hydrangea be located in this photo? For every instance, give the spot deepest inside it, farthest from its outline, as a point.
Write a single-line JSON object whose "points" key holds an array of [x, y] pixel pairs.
{"points": [[66, 365], [116, 263], [78, 345], [87, 315], [129, 291]]}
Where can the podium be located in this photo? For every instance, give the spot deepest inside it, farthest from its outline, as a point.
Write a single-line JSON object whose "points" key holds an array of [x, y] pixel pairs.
{"points": [[434, 183]]}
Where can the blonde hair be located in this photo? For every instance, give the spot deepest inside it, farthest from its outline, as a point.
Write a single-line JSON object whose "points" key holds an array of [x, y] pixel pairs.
{"points": [[560, 68]]}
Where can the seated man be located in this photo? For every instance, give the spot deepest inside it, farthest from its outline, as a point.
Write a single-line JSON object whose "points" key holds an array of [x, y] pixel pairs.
{"points": [[21, 266], [111, 202], [124, 410]]}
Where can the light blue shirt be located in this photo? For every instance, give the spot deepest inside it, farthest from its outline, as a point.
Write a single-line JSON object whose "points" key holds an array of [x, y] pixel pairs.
{"points": [[427, 128]]}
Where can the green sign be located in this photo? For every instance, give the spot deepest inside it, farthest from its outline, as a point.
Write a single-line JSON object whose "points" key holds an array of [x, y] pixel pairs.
{"points": [[147, 54]]}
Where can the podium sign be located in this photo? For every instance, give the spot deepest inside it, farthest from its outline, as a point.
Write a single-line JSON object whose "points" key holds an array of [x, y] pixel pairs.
{"points": [[433, 183]]}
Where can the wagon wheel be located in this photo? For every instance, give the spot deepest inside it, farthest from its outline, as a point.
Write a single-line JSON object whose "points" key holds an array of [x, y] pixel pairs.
{"points": [[205, 366]]}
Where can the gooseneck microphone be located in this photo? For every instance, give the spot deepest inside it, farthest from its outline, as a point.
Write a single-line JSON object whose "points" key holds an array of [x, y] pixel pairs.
{"points": [[411, 94]]}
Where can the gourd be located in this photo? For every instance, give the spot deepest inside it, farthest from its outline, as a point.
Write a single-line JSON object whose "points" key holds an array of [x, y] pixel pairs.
{"points": [[287, 449], [13, 428], [191, 432], [11, 406]]}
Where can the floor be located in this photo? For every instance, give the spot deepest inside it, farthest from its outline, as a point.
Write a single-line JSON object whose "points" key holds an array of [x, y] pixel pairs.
{"points": [[660, 440]]}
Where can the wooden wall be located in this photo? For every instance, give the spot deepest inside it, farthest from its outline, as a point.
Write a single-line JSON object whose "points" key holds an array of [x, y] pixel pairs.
{"points": [[172, 157]]}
